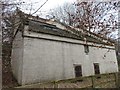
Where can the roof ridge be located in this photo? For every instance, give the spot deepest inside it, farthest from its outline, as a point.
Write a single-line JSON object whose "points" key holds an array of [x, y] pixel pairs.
{"points": [[75, 31]]}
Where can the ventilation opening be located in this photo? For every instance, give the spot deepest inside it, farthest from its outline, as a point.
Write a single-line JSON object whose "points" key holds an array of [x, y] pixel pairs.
{"points": [[78, 71], [96, 68]]}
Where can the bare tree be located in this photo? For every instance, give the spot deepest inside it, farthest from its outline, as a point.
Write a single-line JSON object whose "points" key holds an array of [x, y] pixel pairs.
{"points": [[9, 8], [8, 16], [97, 17], [63, 13]]}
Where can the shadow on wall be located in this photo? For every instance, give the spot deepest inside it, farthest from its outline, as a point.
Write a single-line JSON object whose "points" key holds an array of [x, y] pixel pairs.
{"points": [[118, 53], [118, 58]]}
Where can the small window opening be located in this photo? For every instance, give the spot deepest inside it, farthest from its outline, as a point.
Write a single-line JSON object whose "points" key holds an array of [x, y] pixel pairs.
{"points": [[86, 48], [78, 71], [96, 68]]}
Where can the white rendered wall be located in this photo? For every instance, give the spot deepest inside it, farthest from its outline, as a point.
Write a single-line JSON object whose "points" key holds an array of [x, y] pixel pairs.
{"points": [[47, 60], [17, 57], [39, 59]]}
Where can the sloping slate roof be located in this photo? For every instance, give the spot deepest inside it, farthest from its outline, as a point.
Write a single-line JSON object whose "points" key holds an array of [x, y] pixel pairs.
{"points": [[42, 27], [51, 29]]}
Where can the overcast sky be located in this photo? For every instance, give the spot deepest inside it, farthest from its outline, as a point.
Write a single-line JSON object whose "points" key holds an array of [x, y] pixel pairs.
{"points": [[51, 4]]}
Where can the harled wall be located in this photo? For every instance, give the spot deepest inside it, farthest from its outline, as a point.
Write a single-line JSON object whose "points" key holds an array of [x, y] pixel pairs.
{"points": [[48, 60]]}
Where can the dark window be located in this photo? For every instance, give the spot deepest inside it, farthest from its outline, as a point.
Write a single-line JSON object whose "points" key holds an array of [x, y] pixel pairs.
{"points": [[96, 68], [86, 48], [78, 71]]}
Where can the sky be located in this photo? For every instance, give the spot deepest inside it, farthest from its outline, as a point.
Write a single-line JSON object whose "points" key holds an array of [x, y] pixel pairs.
{"points": [[43, 12], [35, 4], [54, 3]]}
